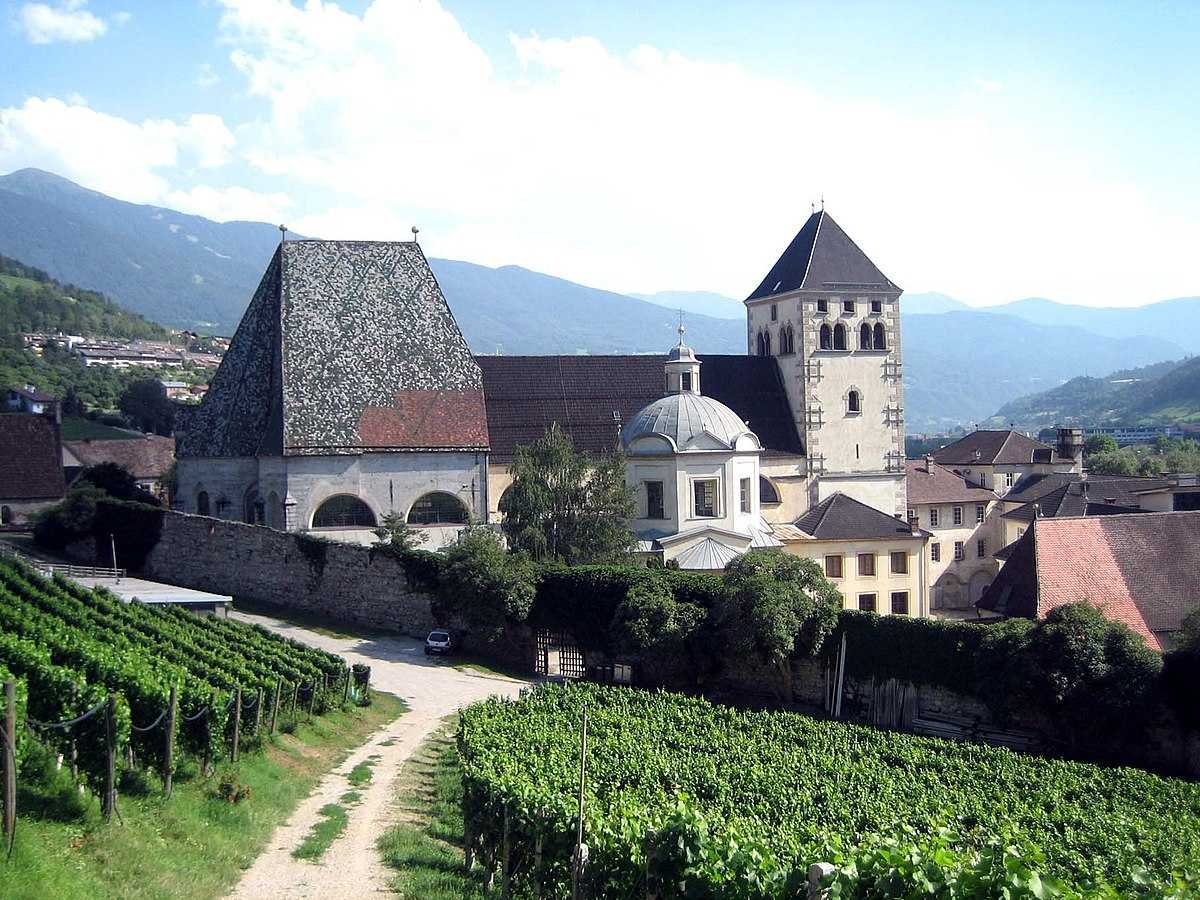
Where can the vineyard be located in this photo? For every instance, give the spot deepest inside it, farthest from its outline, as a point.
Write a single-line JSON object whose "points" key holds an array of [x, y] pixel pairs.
{"points": [[687, 798], [110, 685]]}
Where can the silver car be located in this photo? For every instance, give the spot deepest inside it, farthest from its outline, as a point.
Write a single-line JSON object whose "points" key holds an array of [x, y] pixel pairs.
{"points": [[437, 642]]}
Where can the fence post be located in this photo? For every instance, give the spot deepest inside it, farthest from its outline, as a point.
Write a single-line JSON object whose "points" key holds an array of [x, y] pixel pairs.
{"points": [[277, 701], [312, 698], [73, 749], [537, 867], [10, 763], [237, 723], [168, 774], [505, 858], [295, 697], [258, 714], [108, 802], [346, 687]]}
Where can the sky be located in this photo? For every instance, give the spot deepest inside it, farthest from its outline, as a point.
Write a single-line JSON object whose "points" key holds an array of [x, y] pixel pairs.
{"points": [[990, 151]]}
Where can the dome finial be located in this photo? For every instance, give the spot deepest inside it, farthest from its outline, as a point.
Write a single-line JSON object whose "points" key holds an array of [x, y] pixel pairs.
{"points": [[681, 328]]}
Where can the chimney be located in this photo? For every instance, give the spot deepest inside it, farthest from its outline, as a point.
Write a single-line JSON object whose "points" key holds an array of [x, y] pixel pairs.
{"points": [[928, 462], [1070, 444], [1037, 510]]}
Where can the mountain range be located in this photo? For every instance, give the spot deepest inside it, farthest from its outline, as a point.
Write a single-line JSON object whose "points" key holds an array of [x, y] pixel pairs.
{"points": [[961, 363]]}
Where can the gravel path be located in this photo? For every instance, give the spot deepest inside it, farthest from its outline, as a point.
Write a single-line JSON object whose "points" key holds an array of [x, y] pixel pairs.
{"points": [[433, 689]]}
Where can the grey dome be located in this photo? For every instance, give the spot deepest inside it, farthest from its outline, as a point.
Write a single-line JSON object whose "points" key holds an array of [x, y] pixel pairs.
{"points": [[681, 353], [686, 419]]}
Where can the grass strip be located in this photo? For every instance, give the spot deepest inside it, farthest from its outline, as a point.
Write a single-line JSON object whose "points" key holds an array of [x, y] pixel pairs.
{"points": [[193, 846], [360, 774], [426, 846], [322, 835]]}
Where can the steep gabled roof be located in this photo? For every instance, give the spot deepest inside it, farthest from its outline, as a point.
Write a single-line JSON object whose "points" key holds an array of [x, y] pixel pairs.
{"points": [[931, 483], [822, 257], [995, 448], [1140, 569], [145, 457], [525, 394], [346, 346], [30, 458], [842, 518]]}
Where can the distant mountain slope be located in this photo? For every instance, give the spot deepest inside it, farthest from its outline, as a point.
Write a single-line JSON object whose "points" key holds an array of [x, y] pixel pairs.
{"points": [[1171, 320], [930, 302], [174, 268], [30, 300], [704, 303], [961, 366], [519, 311], [1161, 394]]}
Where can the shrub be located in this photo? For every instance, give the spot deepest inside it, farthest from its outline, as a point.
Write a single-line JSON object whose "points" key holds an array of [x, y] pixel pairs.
{"points": [[482, 585]]}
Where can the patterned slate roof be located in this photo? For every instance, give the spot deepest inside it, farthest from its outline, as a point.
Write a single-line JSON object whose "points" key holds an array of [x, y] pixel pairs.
{"points": [[346, 346], [1138, 569], [995, 448], [931, 483], [842, 518], [822, 257], [525, 394], [145, 457], [686, 419], [30, 458]]}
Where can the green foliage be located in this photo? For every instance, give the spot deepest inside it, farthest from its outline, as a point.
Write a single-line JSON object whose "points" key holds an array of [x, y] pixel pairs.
{"points": [[651, 619], [396, 534], [482, 584], [1099, 443], [717, 802], [145, 403], [563, 505], [315, 550], [69, 520], [777, 606], [1165, 456], [30, 300]]}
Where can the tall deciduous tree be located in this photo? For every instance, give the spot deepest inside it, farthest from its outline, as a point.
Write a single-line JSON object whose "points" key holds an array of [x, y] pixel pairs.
{"points": [[563, 505]]}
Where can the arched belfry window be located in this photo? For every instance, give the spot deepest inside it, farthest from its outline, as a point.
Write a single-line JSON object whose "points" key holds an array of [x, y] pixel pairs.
{"points": [[880, 337], [864, 337], [202, 507], [762, 345], [767, 342], [438, 508], [343, 511], [853, 402], [839, 336], [783, 344], [826, 338]]}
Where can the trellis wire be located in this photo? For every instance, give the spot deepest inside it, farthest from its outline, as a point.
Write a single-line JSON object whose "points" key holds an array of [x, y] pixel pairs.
{"points": [[46, 726], [162, 715]]}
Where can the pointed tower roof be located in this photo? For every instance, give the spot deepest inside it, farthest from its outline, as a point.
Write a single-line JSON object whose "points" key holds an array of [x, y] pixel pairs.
{"points": [[347, 346], [821, 257]]}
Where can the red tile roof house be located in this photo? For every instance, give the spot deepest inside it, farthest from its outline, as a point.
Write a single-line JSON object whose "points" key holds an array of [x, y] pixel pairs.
{"points": [[1142, 569], [31, 472]]}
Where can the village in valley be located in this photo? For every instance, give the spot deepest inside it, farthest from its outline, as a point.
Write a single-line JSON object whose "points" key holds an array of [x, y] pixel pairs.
{"points": [[306, 591]]}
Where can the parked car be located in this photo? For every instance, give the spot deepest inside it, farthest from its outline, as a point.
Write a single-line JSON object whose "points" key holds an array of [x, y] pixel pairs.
{"points": [[439, 641]]}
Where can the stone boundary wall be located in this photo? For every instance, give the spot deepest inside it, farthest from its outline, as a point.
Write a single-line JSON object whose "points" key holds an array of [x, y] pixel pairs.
{"points": [[345, 582]]}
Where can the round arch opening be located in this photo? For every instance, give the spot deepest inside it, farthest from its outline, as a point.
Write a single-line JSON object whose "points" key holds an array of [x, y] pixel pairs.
{"points": [[343, 511], [438, 508]]}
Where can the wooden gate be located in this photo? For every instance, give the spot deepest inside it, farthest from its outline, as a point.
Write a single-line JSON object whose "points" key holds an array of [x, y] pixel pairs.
{"points": [[558, 656]]}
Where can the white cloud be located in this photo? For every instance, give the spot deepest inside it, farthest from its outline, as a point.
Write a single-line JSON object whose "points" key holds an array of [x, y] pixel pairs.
{"points": [[206, 77], [108, 153], [649, 170], [225, 204], [68, 21]]}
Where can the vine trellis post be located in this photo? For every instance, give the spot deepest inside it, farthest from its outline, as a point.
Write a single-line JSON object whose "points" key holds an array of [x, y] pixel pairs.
{"points": [[258, 704], [108, 802], [277, 701], [168, 773], [10, 764], [237, 723], [580, 850]]}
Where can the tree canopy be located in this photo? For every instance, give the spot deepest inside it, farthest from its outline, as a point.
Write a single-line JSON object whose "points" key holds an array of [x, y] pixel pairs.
{"points": [[564, 505]]}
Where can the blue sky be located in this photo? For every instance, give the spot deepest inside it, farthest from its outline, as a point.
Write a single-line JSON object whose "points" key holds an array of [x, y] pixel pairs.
{"points": [[990, 151]]}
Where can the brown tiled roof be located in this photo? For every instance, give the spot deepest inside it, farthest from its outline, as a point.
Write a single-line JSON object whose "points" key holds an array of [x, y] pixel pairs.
{"points": [[1120, 489], [145, 457], [1138, 569], [30, 458], [525, 394], [931, 483], [1071, 499], [995, 448], [842, 518]]}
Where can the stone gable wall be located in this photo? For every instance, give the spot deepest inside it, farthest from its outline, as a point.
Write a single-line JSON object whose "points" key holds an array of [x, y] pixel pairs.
{"points": [[345, 582]]}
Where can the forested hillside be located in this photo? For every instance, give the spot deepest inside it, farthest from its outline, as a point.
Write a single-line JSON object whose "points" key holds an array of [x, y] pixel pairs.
{"points": [[1161, 394]]}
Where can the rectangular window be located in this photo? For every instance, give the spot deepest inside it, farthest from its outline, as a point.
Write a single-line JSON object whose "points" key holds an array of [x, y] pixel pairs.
{"points": [[912, 515], [685, 381], [866, 564], [899, 562], [1020, 532], [774, 312], [866, 602], [705, 498], [981, 481], [980, 512], [833, 566], [900, 603], [981, 549], [745, 495], [654, 500], [848, 307], [935, 552], [933, 518], [822, 306], [876, 306], [958, 515], [1008, 479], [958, 551]]}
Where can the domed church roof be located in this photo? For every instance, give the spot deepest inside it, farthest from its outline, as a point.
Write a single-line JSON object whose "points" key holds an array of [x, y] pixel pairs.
{"points": [[690, 421]]}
